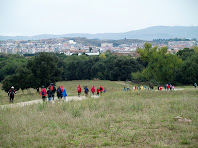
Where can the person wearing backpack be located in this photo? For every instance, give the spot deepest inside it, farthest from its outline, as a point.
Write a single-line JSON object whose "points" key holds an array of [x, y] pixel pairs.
{"points": [[98, 91], [101, 89], [64, 94], [49, 93], [53, 89], [93, 90], [79, 90], [43, 93], [11, 93], [59, 93], [195, 85], [86, 91], [62, 88]]}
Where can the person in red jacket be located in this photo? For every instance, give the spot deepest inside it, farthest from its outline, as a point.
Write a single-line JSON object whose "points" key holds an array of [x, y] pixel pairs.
{"points": [[98, 91], [62, 88], [93, 90], [79, 90], [43, 93], [168, 87], [101, 89]]}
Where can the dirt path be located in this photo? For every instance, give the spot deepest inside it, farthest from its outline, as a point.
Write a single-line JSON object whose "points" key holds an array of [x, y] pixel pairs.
{"points": [[21, 104], [176, 89]]}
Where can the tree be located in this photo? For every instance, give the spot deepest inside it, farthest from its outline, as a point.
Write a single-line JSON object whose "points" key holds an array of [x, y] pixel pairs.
{"points": [[9, 64], [146, 52], [185, 53], [10, 81], [40, 70], [90, 49], [188, 72], [120, 68], [161, 66], [44, 68], [25, 77], [102, 55]]}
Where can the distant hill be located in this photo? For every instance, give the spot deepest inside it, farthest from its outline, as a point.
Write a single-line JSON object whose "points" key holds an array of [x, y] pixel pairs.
{"points": [[156, 32]]}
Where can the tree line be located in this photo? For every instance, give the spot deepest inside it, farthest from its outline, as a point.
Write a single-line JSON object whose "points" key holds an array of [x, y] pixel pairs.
{"points": [[154, 65], [45, 68]]}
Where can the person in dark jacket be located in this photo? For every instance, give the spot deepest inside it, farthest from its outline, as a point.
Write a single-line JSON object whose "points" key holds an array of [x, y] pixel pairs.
{"points": [[11, 93], [53, 89], [49, 94], [86, 90], [59, 93]]}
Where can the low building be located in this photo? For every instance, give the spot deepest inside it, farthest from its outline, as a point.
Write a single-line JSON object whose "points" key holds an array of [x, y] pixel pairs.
{"points": [[92, 53], [104, 45]]}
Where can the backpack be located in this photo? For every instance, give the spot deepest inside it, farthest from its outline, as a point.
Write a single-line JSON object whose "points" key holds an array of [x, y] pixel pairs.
{"points": [[59, 91], [49, 92], [43, 93], [12, 92], [86, 89], [51, 87], [78, 89], [101, 88]]}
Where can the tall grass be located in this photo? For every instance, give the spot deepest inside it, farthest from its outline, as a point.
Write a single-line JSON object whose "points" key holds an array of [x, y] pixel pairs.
{"points": [[116, 119]]}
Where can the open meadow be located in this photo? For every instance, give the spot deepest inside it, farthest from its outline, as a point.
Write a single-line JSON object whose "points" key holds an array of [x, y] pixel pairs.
{"points": [[115, 119]]}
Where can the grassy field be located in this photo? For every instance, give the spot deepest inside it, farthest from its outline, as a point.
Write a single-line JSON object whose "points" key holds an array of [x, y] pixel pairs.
{"points": [[116, 119]]}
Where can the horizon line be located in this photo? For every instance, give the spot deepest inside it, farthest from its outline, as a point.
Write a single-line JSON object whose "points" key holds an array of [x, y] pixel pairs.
{"points": [[92, 33]]}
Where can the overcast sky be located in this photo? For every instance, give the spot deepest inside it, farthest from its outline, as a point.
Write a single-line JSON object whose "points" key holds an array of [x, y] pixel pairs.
{"points": [[33, 17]]}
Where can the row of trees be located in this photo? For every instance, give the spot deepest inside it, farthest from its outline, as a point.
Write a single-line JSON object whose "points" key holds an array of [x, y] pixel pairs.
{"points": [[9, 64], [163, 67], [154, 65], [44, 68]]}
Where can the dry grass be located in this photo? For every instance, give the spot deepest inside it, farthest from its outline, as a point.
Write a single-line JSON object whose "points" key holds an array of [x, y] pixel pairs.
{"points": [[117, 119]]}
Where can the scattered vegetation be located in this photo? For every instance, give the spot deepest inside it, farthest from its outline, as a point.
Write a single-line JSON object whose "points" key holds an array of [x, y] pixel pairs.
{"points": [[116, 119]]}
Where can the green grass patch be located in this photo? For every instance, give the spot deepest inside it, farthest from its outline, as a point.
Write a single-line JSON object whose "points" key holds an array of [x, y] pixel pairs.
{"points": [[116, 119]]}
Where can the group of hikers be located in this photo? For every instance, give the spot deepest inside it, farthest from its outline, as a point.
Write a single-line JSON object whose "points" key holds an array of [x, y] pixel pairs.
{"points": [[150, 87], [86, 90], [61, 92]]}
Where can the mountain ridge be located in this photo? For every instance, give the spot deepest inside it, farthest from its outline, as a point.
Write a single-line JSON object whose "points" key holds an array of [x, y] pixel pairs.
{"points": [[150, 33]]}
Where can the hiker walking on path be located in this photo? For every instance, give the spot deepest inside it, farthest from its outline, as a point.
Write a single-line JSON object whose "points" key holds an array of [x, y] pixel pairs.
{"points": [[62, 88], [64, 94], [59, 93], [195, 85], [79, 90], [101, 89], [43, 93], [98, 91], [53, 89], [124, 89], [86, 91], [11, 93], [165, 86], [49, 93], [93, 90]]}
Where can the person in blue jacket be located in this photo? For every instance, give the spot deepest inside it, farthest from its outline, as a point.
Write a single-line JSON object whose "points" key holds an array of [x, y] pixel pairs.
{"points": [[64, 94]]}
